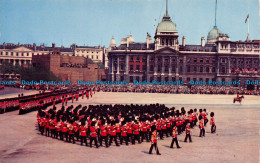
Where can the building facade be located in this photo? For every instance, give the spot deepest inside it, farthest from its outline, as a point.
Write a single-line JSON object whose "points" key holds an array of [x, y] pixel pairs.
{"points": [[217, 59]]}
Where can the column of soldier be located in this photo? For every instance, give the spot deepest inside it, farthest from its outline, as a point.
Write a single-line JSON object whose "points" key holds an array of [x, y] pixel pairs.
{"points": [[121, 124]]}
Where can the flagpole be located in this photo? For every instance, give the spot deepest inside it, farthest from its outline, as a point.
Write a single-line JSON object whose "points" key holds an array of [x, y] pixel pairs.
{"points": [[248, 28]]}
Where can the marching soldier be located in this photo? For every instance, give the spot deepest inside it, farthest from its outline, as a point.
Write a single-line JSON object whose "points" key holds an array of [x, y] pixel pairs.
{"points": [[93, 134], [174, 137], [113, 135], [154, 141], [212, 123], [71, 133], [124, 135], [103, 134], [136, 133], [187, 133], [83, 133], [201, 126]]}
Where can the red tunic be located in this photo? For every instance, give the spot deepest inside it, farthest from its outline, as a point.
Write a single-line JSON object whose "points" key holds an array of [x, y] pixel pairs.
{"points": [[103, 131], [82, 131], [93, 132]]}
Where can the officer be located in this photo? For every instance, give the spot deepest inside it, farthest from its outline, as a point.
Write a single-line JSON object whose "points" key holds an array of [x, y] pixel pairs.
{"points": [[212, 123], [174, 137], [154, 141], [188, 132]]}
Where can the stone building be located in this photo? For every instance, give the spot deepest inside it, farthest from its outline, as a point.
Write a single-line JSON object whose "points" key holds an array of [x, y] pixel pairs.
{"points": [[71, 68], [165, 59]]}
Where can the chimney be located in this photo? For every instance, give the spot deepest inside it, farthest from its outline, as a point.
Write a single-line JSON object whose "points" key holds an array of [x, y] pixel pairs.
{"points": [[34, 46], [183, 41], [148, 40], [53, 45], [202, 41], [4, 45]]}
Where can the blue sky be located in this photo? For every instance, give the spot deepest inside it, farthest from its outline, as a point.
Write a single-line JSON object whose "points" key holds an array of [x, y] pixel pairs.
{"points": [[94, 22]]}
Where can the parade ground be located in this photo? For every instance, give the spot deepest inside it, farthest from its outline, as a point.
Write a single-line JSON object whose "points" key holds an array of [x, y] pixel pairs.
{"points": [[236, 139]]}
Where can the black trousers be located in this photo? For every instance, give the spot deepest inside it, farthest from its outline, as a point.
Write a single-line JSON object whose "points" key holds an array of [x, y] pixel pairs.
{"points": [[156, 148], [111, 139], [41, 129], [124, 138], [202, 132], [129, 137], [169, 131], [164, 131], [93, 139], [187, 136], [213, 128], [205, 122], [64, 134], [144, 135], [71, 136], [103, 138], [47, 130], [176, 141], [136, 137], [83, 139]]}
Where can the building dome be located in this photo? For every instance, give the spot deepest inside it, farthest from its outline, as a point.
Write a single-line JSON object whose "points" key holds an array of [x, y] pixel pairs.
{"points": [[213, 34], [166, 25]]}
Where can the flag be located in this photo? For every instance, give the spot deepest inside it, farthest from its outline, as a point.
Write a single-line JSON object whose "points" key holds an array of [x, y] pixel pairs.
{"points": [[247, 18]]}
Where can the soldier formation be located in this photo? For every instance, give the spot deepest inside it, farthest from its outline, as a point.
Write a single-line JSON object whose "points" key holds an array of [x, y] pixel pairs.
{"points": [[121, 124]]}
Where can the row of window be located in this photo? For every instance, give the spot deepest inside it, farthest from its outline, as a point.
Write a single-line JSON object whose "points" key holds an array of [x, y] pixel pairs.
{"points": [[92, 57], [14, 54], [84, 51]]}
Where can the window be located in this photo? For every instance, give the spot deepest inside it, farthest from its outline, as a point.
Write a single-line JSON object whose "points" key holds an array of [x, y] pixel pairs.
{"points": [[27, 54], [201, 79], [207, 80], [151, 67], [194, 60], [144, 67], [12, 53], [213, 60], [131, 79], [201, 68], [2, 53], [201, 60], [137, 58], [159, 69], [22, 54], [188, 68], [195, 69], [138, 67], [137, 78], [207, 69], [188, 79], [181, 60], [194, 79], [207, 60], [213, 69], [131, 67], [131, 58], [188, 59], [97, 56], [6, 53], [92, 57], [181, 69]]}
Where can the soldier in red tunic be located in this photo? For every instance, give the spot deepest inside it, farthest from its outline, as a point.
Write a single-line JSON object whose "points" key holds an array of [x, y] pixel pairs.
{"points": [[174, 137], [103, 134], [47, 125], [201, 126], [136, 133], [83, 133], [124, 134], [113, 134], [93, 134], [154, 141], [71, 132], [188, 132], [212, 123]]}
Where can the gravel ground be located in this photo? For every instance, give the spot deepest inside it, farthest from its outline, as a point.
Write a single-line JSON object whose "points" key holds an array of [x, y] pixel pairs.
{"points": [[236, 140]]}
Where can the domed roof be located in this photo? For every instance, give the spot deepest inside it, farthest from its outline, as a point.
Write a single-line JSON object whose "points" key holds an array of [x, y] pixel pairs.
{"points": [[214, 33], [166, 25]]}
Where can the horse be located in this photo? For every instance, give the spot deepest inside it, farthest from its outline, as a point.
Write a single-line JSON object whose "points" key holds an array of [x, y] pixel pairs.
{"points": [[239, 99]]}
